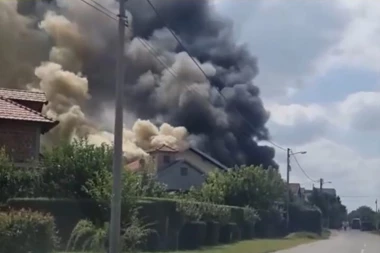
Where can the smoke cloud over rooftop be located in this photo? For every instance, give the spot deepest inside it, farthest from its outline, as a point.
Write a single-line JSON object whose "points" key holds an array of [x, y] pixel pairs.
{"points": [[67, 49]]}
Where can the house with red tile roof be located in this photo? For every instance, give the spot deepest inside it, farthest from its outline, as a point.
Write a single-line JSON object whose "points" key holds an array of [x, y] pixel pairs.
{"points": [[180, 169], [22, 123]]}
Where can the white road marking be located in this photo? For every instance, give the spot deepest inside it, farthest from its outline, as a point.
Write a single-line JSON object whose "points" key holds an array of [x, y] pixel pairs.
{"points": [[362, 251]]}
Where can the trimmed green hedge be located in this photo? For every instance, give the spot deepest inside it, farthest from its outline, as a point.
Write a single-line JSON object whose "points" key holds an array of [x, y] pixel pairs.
{"points": [[166, 216], [212, 233], [229, 233], [271, 224], [305, 218], [26, 232], [192, 235]]}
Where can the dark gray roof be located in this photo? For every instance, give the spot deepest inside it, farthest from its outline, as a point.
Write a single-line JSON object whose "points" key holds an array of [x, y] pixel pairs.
{"points": [[209, 158]]}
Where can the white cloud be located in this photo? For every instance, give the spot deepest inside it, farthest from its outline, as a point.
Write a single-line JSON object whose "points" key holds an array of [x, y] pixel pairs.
{"points": [[358, 111], [297, 42], [359, 44], [288, 37], [361, 111], [314, 127]]}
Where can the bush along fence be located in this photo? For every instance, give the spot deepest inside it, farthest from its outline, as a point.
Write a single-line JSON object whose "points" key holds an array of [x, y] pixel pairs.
{"points": [[171, 224]]}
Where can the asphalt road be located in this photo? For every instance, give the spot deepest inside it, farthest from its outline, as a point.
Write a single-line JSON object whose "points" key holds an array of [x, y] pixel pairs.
{"points": [[351, 241]]}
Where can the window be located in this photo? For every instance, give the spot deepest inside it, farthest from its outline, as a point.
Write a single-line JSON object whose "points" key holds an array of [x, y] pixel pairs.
{"points": [[166, 159], [184, 171]]}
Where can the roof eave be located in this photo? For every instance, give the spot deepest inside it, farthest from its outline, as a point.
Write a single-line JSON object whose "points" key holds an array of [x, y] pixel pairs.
{"points": [[47, 126]]}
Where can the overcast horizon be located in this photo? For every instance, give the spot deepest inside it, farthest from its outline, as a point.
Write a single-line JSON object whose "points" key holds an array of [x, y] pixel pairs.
{"points": [[319, 78]]}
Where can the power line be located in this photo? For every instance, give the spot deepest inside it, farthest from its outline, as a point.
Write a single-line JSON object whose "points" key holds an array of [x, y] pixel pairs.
{"points": [[97, 6], [112, 15], [101, 9], [363, 196], [202, 71], [300, 167], [276, 145]]}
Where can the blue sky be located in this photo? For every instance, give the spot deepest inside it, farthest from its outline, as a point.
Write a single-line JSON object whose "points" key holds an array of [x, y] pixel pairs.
{"points": [[336, 85], [319, 64]]}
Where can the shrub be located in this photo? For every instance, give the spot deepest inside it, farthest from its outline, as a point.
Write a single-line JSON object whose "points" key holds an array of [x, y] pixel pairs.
{"points": [[27, 232], [69, 166], [66, 212], [17, 182], [271, 223], [242, 186], [305, 218], [228, 233], [247, 231], [87, 236], [235, 232], [135, 233], [212, 233]]}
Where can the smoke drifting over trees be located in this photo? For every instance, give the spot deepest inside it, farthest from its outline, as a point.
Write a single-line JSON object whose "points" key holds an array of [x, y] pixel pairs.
{"points": [[49, 41]]}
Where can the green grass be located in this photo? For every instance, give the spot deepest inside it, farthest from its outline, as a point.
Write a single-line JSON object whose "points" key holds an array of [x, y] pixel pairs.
{"points": [[256, 246], [259, 245]]}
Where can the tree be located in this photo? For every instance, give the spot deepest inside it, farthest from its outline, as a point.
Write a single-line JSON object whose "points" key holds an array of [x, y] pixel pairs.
{"points": [[245, 186], [365, 214], [16, 182], [331, 207], [67, 168]]}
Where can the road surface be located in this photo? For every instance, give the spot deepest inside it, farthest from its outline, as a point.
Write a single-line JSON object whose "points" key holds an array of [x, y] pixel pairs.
{"points": [[351, 241]]}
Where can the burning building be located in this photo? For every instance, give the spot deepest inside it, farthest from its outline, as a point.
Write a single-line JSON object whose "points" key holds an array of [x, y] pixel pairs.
{"points": [[67, 49]]}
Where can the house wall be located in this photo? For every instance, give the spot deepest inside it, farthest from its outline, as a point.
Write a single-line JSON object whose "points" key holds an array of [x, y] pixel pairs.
{"points": [[158, 159], [20, 139], [175, 181], [193, 158], [197, 161]]}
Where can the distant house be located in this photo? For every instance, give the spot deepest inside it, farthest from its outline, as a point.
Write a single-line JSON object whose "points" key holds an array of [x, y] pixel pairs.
{"points": [[329, 191], [298, 192], [295, 189], [181, 169], [22, 123]]}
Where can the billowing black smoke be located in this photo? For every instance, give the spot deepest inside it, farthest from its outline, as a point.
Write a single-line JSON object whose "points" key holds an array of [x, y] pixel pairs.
{"points": [[172, 89]]}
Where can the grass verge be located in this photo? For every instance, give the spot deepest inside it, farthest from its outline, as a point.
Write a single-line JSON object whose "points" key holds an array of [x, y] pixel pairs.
{"points": [[259, 245]]}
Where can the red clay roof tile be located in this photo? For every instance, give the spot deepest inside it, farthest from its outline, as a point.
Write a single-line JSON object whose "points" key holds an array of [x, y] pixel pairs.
{"points": [[14, 111], [25, 95]]}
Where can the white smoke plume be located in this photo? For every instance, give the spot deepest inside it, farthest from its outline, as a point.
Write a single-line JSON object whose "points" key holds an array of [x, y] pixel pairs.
{"points": [[67, 90], [49, 42]]}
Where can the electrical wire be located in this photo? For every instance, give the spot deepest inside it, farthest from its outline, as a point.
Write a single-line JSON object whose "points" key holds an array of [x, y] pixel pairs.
{"points": [[113, 16], [363, 196], [97, 6], [202, 71], [300, 167]]}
